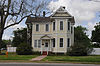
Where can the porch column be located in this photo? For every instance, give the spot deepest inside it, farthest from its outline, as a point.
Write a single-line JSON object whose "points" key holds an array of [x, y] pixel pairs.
{"points": [[41, 48], [50, 45]]}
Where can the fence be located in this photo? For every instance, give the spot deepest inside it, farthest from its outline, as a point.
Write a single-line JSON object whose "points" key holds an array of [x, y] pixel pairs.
{"points": [[11, 49], [96, 51]]}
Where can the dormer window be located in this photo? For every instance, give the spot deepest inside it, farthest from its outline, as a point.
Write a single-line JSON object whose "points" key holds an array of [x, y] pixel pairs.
{"points": [[61, 25]]}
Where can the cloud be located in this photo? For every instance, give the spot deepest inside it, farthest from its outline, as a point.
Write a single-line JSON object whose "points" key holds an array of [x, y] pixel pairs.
{"points": [[90, 27], [82, 10]]}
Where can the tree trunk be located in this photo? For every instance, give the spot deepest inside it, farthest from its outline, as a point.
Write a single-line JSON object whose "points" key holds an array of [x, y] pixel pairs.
{"points": [[1, 34]]}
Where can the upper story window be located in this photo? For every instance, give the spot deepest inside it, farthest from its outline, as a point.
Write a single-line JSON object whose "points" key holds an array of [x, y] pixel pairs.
{"points": [[47, 27], [68, 42], [61, 42], [61, 25], [37, 27], [68, 25], [53, 42], [71, 29], [53, 26]]}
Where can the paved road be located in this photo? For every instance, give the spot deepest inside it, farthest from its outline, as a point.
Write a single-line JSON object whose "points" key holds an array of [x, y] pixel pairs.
{"points": [[44, 64]]}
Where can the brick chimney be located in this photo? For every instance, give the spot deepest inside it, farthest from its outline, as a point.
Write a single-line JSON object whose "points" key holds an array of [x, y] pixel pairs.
{"points": [[64, 7], [43, 13]]}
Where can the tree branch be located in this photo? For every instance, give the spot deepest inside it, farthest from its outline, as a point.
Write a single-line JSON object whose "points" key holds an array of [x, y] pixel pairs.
{"points": [[17, 22]]}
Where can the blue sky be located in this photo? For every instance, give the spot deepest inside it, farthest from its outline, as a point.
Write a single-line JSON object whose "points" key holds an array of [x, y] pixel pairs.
{"points": [[86, 13]]}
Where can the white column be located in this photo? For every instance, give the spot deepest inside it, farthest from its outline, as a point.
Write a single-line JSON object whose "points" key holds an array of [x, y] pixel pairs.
{"points": [[50, 45], [41, 48], [47, 51]]}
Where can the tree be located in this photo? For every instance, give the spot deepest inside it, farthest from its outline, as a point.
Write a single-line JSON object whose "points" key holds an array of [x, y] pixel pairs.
{"points": [[82, 44], [12, 12], [96, 34], [5, 43], [24, 49], [20, 36]]}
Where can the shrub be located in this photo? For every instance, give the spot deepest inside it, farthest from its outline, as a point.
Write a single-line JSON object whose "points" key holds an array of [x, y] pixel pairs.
{"points": [[79, 49], [24, 49], [37, 53]]}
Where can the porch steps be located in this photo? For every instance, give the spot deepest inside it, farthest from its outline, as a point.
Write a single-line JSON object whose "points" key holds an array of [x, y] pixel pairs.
{"points": [[44, 53]]}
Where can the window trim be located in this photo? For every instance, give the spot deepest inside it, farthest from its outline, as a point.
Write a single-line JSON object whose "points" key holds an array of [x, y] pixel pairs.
{"points": [[54, 26], [68, 25], [38, 43], [62, 42], [53, 43], [68, 45], [36, 28], [48, 27], [62, 24], [71, 30], [35, 46]]}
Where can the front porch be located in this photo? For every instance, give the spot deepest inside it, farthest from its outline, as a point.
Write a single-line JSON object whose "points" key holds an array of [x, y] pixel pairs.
{"points": [[46, 44]]}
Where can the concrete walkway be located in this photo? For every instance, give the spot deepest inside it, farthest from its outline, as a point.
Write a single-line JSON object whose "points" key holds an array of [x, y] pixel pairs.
{"points": [[38, 58]]}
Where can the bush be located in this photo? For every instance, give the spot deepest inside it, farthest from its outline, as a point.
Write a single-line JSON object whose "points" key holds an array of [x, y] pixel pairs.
{"points": [[37, 53], [79, 49], [24, 49]]}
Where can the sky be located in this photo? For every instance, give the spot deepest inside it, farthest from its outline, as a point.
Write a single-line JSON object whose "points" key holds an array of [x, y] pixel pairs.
{"points": [[85, 12]]}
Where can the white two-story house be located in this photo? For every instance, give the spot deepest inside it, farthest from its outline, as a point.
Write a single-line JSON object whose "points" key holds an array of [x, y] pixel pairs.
{"points": [[52, 34]]}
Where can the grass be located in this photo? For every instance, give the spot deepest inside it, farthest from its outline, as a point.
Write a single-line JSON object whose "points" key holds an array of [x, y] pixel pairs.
{"points": [[14, 56], [17, 57], [92, 59]]}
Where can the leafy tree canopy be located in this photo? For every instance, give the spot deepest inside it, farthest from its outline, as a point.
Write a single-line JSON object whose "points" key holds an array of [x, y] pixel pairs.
{"points": [[20, 36], [82, 45], [96, 34]]}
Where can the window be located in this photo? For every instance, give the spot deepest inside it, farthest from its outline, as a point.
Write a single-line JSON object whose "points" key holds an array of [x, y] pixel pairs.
{"points": [[46, 44], [61, 42], [68, 42], [68, 25], [53, 26], [61, 25], [39, 43], [47, 27], [37, 27], [35, 43], [53, 42], [71, 29]]}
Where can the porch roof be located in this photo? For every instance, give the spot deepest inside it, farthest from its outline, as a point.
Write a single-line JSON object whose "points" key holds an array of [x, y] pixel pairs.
{"points": [[46, 37]]}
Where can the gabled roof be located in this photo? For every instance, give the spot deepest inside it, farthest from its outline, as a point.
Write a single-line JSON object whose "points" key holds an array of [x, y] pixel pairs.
{"points": [[39, 19], [61, 10], [46, 37]]}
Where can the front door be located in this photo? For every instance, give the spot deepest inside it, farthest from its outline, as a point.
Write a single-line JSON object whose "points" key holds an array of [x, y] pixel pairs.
{"points": [[46, 46]]}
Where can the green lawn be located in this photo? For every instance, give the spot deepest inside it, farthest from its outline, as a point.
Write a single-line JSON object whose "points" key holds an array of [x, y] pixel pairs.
{"points": [[73, 58], [14, 56], [17, 57]]}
